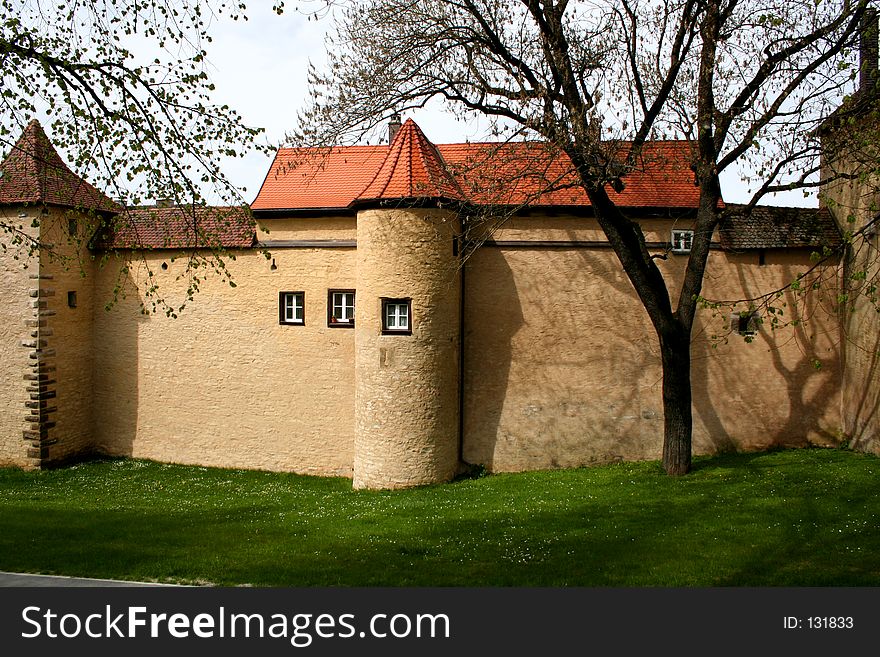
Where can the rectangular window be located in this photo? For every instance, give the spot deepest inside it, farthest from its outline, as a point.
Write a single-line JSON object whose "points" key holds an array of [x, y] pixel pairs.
{"points": [[682, 241], [291, 307], [396, 316], [340, 308], [71, 299]]}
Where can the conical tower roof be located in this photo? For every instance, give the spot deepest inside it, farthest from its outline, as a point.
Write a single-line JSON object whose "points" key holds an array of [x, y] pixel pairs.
{"points": [[412, 170], [34, 173]]}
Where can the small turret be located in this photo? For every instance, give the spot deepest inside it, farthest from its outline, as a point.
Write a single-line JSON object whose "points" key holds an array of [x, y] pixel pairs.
{"points": [[407, 342]]}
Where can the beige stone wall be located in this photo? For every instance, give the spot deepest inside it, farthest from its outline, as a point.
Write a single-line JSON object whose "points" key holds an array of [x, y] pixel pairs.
{"points": [[14, 311], [562, 368], [567, 227], [783, 388], [68, 268], [225, 384], [407, 394], [47, 388], [854, 201], [310, 228]]}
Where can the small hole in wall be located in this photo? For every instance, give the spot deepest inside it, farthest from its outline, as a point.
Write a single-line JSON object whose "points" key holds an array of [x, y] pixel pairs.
{"points": [[273, 266], [71, 299], [164, 266]]}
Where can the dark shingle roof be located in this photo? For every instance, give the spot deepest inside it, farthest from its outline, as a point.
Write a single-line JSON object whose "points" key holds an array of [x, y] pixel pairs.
{"points": [[178, 227], [34, 173], [768, 227]]}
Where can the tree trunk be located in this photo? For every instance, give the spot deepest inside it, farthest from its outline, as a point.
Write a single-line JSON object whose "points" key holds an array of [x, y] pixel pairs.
{"points": [[675, 350]]}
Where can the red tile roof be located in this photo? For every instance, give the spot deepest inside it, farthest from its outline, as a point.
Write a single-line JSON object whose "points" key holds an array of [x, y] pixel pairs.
{"points": [[412, 169], [180, 227], [34, 173], [513, 173], [530, 173], [318, 178]]}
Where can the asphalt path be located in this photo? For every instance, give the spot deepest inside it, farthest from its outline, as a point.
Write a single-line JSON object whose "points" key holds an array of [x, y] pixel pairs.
{"points": [[24, 579]]}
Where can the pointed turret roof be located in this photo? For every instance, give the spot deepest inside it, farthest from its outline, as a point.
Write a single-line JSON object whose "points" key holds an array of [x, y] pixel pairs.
{"points": [[413, 169], [34, 173]]}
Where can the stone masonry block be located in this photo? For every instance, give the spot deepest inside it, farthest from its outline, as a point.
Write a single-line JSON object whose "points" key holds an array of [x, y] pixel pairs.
{"points": [[41, 453], [34, 344]]}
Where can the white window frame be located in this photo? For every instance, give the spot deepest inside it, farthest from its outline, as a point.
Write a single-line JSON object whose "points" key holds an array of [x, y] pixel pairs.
{"points": [[340, 308], [397, 316], [682, 240], [288, 304]]}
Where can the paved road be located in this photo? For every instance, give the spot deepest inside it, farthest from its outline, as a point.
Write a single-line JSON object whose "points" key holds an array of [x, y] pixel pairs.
{"points": [[22, 579]]}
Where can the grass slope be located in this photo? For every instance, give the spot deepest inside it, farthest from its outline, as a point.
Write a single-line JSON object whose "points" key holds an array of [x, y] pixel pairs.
{"points": [[792, 518]]}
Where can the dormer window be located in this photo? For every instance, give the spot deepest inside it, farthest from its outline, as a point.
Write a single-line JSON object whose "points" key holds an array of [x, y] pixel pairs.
{"points": [[682, 241]]}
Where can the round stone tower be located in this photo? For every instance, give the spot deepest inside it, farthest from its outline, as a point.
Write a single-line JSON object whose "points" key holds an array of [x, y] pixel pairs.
{"points": [[407, 320]]}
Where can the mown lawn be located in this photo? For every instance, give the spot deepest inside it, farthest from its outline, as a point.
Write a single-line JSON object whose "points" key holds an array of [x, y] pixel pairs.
{"points": [[785, 518]]}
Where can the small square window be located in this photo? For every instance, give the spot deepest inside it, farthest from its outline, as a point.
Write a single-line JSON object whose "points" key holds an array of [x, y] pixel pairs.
{"points": [[396, 316], [682, 241], [291, 307], [745, 323], [340, 308]]}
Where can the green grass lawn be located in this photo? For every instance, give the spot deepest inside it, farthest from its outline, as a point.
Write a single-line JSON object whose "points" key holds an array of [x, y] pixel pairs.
{"points": [[785, 518]]}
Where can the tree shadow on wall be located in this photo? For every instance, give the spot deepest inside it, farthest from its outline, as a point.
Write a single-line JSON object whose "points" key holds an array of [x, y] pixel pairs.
{"points": [[863, 414], [544, 390], [806, 380]]}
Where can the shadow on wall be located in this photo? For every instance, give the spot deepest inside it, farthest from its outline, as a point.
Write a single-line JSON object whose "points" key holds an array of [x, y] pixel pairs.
{"points": [[863, 411], [558, 371], [116, 366], [492, 316], [782, 390]]}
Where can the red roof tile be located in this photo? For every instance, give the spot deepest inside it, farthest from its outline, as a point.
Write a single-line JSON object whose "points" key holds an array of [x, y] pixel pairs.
{"points": [[412, 169], [318, 178], [34, 173], [180, 227], [512, 173]]}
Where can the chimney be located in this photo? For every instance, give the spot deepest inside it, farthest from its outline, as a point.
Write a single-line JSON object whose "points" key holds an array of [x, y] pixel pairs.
{"points": [[393, 126], [868, 50]]}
